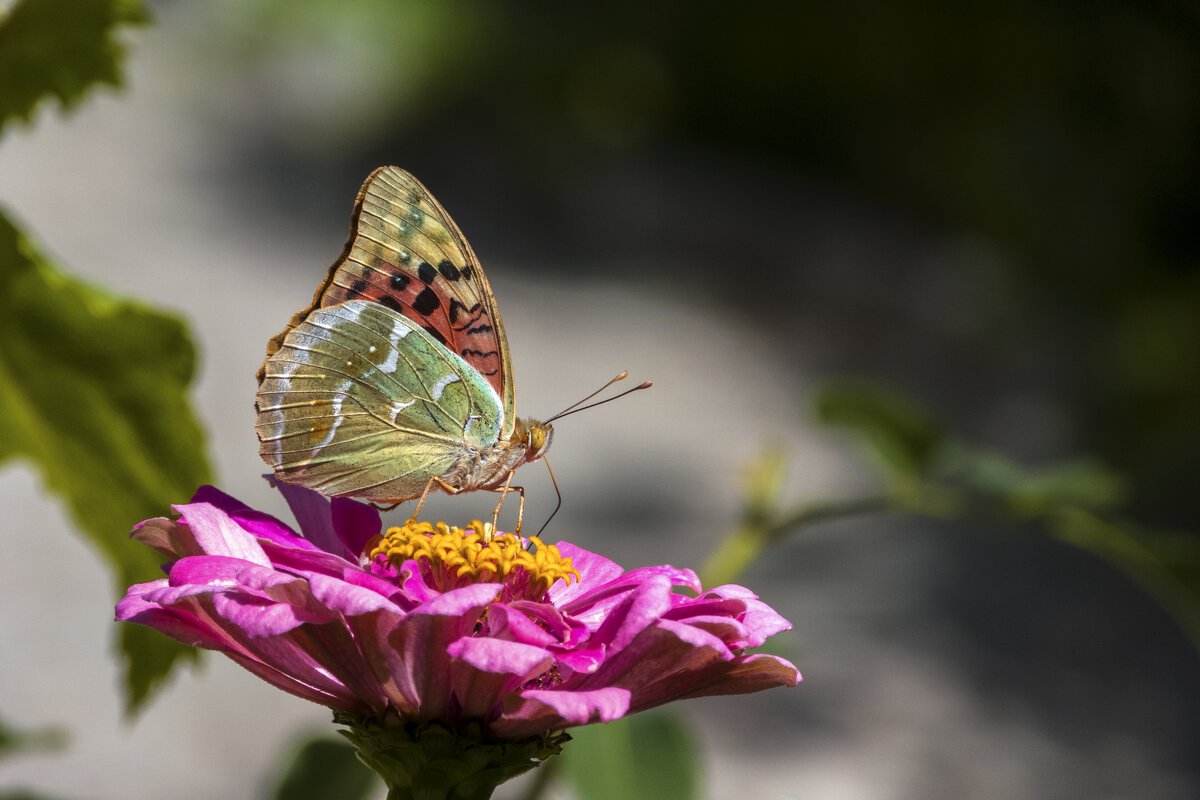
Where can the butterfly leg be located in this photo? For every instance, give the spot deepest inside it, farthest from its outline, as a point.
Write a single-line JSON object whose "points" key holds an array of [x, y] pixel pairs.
{"points": [[429, 487], [434, 481], [503, 492]]}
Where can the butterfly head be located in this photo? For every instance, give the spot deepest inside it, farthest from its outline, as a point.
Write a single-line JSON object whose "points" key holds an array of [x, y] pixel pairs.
{"points": [[535, 435]]}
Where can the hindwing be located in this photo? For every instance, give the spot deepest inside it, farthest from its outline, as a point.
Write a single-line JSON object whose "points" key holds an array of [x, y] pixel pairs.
{"points": [[360, 400]]}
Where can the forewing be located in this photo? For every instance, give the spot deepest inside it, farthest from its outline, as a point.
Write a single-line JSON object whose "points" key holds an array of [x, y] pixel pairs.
{"points": [[405, 253], [361, 401]]}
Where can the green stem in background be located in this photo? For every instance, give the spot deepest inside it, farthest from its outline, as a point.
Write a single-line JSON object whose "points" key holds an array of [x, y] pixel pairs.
{"points": [[741, 548], [1164, 564]]}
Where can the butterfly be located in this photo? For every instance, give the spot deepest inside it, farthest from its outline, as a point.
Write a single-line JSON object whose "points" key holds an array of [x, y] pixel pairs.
{"points": [[397, 379]]}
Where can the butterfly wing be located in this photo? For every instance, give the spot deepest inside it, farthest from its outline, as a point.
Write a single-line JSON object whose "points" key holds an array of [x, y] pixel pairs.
{"points": [[359, 400], [405, 253]]}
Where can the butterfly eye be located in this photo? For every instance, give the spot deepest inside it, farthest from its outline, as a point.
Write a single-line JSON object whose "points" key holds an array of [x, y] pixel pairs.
{"points": [[538, 440]]}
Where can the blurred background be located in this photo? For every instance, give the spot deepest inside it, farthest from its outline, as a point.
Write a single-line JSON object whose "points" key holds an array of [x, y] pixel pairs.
{"points": [[991, 207]]}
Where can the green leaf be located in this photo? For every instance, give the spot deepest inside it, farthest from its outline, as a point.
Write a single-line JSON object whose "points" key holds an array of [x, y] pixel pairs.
{"points": [[1084, 483], [321, 768], [897, 430], [60, 49], [14, 741], [93, 392], [645, 755]]}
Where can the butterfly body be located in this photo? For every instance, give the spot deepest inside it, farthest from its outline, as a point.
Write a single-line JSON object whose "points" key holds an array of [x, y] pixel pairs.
{"points": [[397, 377]]}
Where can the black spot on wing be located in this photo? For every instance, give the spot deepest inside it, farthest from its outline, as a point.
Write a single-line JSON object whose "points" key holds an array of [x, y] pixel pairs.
{"points": [[448, 270], [435, 333], [392, 303], [399, 281], [426, 302], [457, 311], [484, 328], [467, 271], [356, 289], [456, 307], [426, 272]]}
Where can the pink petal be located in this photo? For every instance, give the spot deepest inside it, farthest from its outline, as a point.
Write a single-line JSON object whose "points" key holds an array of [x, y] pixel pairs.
{"points": [[594, 570], [311, 510], [258, 617], [259, 524], [521, 662], [510, 624], [647, 603], [167, 536], [750, 674], [288, 683], [355, 524], [418, 660], [663, 649], [536, 710], [219, 535], [484, 669], [347, 598]]}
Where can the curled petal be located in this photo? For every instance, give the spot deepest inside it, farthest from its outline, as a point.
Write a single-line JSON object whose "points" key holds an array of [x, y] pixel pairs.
{"points": [[484, 669], [594, 570], [167, 536], [260, 525], [347, 598], [751, 674], [535, 710], [505, 622], [218, 534]]}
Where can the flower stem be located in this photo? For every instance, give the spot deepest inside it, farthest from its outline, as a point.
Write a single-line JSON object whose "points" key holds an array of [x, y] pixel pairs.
{"points": [[436, 762]]}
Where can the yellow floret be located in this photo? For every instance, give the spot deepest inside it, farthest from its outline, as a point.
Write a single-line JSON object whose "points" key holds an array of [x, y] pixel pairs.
{"points": [[476, 555]]}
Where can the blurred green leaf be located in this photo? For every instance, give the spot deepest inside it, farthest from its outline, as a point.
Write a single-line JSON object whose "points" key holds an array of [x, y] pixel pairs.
{"points": [[645, 755], [1029, 493], [60, 49], [321, 768], [93, 392], [897, 431], [13, 740], [949, 478]]}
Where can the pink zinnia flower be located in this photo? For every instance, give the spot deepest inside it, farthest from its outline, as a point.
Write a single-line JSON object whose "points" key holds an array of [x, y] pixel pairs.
{"points": [[435, 624]]}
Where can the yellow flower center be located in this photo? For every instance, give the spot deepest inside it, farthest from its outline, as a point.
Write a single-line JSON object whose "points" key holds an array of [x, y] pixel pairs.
{"points": [[452, 557]]}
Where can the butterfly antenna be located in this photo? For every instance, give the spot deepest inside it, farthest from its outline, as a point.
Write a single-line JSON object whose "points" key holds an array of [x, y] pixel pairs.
{"points": [[621, 377], [576, 407], [557, 492]]}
